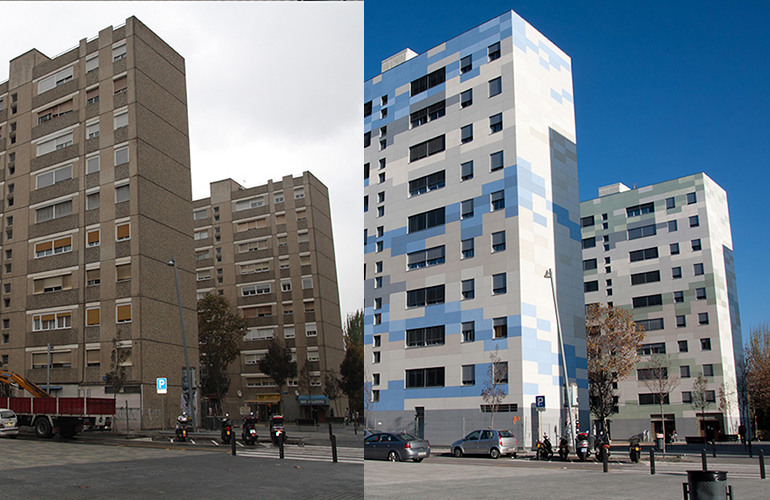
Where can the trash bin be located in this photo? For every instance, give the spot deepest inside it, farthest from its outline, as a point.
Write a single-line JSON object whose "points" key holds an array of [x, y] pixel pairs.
{"points": [[659, 442], [706, 485]]}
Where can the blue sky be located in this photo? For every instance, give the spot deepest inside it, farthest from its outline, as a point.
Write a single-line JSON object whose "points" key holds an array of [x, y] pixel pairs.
{"points": [[662, 90]]}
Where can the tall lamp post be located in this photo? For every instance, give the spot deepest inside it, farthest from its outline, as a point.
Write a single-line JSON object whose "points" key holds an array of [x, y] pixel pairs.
{"points": [[549, 275], [190, 401]]}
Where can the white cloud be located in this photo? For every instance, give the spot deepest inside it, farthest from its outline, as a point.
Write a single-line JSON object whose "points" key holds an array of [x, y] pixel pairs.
{"points": [[274, 88]]}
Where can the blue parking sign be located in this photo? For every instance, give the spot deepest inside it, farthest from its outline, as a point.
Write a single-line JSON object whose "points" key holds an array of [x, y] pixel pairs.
{"points": [[162, 385], [539, 401]]}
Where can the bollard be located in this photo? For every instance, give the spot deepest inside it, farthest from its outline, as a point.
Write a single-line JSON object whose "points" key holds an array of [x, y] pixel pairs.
{"points": [[652, 462], [330, 430], [232, 442], [703, 459], [334, 449], [751, 455], [280, 446], [605, 460], [714, 448], [761, 463]]}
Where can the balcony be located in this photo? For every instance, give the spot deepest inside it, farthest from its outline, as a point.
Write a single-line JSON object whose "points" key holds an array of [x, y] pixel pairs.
{"points": [[58, 122]]}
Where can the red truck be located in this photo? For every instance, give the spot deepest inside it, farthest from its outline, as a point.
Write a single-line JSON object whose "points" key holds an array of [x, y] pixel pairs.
{"points": [[49, 415]]}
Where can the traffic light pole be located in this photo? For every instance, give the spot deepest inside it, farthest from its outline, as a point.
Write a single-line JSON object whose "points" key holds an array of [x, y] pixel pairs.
{"points": [[190, 401]]}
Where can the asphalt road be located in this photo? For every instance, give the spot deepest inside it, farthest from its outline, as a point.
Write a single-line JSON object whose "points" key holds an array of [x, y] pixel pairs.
{"points": [[84, 469]]}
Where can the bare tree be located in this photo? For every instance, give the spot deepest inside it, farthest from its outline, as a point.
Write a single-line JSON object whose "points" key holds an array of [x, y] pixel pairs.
{"points": [[612, 340], [369, 402], [657, 377], [726, 396], [758, 374], [497, 375], [700, 400]]}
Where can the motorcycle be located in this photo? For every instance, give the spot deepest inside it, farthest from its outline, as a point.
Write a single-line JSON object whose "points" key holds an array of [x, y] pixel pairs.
{"points": [[544, 449], [249, 429], [635, 450], [583, 450], [563, 448], [277, 431], [602, 446], [227, 429], [182, 427]]}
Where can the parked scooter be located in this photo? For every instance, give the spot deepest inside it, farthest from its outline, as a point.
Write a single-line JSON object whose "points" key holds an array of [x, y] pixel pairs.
{"points": [[182, 427], [249, 429], [227, 429], [544, 449], [563, 448], [277, 430], [635, 449], [583, 449], [602, 446]]}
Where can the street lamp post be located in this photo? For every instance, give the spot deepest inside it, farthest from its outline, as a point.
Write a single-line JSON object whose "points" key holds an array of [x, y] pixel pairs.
{"points": [[190, 401], [549, 275]]}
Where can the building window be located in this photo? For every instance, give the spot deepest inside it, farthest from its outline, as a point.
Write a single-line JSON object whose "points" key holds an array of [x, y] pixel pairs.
{"points": [[587, 221], [425, 377], [466, 170], [311, 330], [469, 374], [641, 232], [651, 324], [499, 284], [674, 247], [681, 321], [121, 156], [367, 109], [705, 344], [54, 144], [672, 226], [59, 78], [589, 242], [700, 293], [498, 200], [123, 272], [307, 283], [378, 282], [427, 183], [466, 98], [93, 316], [381, 211], [696, 245], [428, 114], [121, 119], [678, 296], [683, 346], [496, 123], [119, 52], [425, 258], [591, 286], [676, 272], [469, 331], [703, 318], [466, 209], [427, 148], [670, 203], [51, 321], [643, 278], [500, 328], [708, 370], [92, 164], [468, 289], [52, 177], [698, 269], [54, 211], [637, 210], [425, 296], [652, 399], [466, 64], [426, 220], [496, 161], [498, 243], [495, 86], [428, 81], [650, 349], [589, 264], [51, 247], [123, 231], [92, 201], [466, 133], [422, 337], [648, 301], [494, 51], [467, 248], [377, 356], [694, 221], [692, 198], [646, 254], [686, 396]]}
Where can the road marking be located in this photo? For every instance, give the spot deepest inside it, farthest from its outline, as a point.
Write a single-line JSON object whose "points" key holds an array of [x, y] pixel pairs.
{"points": [[215, 442], [192, 440], [239, 444], [314, 458]]}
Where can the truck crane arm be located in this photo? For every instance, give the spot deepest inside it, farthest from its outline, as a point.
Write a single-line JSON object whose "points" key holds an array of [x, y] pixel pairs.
{"points": [[32, 388]]}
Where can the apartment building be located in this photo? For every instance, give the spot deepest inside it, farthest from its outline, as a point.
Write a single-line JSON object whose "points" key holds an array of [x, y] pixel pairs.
{"points": [[471, 196], [665, 253], [269, 250], [96, 197]]}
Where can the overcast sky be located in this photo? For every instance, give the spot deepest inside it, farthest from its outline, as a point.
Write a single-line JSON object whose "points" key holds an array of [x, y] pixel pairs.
{"points": [[274, 88]]}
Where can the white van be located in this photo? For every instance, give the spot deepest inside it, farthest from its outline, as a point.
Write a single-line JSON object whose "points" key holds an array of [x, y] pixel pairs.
{"points": [[8, 423]]}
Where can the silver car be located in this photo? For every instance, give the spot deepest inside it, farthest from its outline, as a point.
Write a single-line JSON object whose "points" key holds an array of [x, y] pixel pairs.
{"points": [[486, 442], [395, 447], [8, 423]]}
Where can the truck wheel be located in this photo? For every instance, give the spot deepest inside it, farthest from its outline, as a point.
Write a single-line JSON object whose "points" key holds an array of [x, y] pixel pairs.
{"points": [[43, 428]]}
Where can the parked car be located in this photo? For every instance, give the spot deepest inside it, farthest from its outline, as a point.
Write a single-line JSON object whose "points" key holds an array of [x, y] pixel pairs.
{"points": [[486, 442], [8, 423], [395, 447]]}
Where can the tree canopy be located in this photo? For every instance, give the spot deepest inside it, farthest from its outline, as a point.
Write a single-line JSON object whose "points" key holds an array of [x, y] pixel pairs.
{"points": [[277, 363], [612, 341], [492, 391], [757, 352], [352, 366], [220, 334]]}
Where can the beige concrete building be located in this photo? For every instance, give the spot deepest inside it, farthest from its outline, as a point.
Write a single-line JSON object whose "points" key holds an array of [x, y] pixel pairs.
{"points": [[96, 196], [269, 251]]}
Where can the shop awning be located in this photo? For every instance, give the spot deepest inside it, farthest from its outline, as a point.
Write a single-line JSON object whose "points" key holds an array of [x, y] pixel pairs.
{"points": [[314, 400], [265, 398]]}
